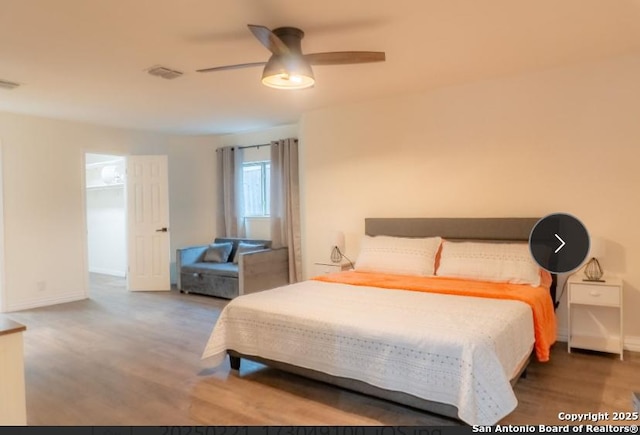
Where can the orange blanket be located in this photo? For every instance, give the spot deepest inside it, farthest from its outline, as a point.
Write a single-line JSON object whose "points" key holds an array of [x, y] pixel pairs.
{"points": [[538, 298]]}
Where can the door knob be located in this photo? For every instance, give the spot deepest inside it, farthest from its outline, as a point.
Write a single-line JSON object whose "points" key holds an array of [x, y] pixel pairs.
{"points": [[162, 230]]}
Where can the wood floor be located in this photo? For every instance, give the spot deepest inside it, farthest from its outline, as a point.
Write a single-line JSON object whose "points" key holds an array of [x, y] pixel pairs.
{"points": [[123, 358]]}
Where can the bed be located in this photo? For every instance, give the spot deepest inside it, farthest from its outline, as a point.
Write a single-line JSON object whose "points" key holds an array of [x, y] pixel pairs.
{"points": [[443, 344]]}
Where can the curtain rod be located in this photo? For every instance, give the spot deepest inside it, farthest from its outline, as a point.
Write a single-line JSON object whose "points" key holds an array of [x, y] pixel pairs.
{"points": [[246, 146], [254, 146]]}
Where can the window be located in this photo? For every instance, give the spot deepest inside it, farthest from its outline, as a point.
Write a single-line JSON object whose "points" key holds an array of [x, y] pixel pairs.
{"points": [[256, 183]]}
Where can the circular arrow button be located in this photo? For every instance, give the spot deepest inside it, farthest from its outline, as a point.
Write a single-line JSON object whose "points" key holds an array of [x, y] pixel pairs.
{"points": [[559, 243]]}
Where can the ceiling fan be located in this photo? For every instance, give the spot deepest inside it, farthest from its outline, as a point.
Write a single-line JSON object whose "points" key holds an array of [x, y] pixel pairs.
{"points": [[288, 67]]}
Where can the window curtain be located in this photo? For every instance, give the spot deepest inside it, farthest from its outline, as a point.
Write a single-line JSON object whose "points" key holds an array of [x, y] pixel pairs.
{"points": [[230, 216], [285, 203]]}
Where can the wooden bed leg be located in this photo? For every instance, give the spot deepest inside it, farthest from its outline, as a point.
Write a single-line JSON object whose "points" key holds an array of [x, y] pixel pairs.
{"points": [[235, 362]]}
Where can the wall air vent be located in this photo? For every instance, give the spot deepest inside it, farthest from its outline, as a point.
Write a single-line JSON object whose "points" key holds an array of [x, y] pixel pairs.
{"points": [[164, 72], [5, 84]]}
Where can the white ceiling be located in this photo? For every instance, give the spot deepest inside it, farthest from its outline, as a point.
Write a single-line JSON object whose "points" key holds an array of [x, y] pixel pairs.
{"points": [[86, 60]]}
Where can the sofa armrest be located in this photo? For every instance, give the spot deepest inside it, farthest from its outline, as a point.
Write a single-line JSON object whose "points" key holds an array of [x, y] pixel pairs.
{"points": [[188, 255], [263, 270]]}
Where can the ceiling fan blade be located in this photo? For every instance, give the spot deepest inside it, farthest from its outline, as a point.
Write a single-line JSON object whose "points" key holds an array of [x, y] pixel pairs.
{"points": [[227, 67], [269, 39], [345, 57]]}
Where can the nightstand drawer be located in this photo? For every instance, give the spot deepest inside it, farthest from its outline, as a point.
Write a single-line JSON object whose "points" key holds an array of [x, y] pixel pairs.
{"points": [[595, 294], [325, 268]]}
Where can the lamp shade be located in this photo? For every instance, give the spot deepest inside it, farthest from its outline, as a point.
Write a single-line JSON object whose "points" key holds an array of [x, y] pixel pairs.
{"points": [[287, 72], [597, 247], [338, 240]]}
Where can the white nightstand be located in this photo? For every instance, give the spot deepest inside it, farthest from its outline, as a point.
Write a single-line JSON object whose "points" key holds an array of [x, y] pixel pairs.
{"points": [[324, 267], [595, 315]]}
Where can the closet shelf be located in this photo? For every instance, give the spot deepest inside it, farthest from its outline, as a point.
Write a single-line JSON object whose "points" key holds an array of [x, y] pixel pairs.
{"points": [[105, 186], [117, 162]]}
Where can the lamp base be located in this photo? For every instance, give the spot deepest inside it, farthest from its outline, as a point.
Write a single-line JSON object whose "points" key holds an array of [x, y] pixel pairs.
{"points": [[593, 280], [336, 255], [593, 270]]}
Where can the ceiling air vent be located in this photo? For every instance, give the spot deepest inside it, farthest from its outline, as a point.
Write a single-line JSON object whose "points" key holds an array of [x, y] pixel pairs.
{"points": [[165, 73], [5, 84]]}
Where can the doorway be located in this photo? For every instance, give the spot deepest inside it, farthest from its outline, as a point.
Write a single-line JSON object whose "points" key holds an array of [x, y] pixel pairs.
{"points": [[106, 218]]}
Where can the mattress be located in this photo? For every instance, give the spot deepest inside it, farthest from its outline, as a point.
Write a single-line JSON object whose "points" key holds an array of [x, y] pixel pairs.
{"points": [[457, 350]]}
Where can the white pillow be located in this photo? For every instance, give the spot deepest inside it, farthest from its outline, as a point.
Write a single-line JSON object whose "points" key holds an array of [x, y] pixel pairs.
{"points": [[398, 255], [498, 262]]}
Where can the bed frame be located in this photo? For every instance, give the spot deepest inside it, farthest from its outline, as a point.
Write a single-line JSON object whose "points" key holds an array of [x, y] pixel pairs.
{"points": [[486, 229]]}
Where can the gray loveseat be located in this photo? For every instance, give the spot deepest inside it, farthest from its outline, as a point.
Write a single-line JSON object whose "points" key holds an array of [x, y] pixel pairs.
{"points": [[259, 270]]}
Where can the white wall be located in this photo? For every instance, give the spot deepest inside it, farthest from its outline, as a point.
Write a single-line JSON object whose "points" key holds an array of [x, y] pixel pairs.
{"points": [[106, 214], [106, 230], [563, 140], [43, 167]]}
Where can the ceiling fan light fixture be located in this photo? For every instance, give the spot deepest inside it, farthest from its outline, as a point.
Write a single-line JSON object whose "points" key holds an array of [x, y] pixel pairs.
{"points": [[289, 74]]}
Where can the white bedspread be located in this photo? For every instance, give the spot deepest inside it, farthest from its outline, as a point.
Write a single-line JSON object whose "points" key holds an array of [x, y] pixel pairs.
{"points": [[456, 350]]}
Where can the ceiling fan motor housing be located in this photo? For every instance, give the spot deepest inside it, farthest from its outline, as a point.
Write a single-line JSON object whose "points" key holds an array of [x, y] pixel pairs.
{"points": [[292, 38]]}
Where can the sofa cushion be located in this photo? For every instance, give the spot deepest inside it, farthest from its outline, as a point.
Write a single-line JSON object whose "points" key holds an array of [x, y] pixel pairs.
{"points": [[218, 253], [236, 241], [221, 269]]}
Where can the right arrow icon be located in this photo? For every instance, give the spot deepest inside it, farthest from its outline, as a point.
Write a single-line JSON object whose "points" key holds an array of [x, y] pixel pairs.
{"points": [[561, 245], [550, 251]]}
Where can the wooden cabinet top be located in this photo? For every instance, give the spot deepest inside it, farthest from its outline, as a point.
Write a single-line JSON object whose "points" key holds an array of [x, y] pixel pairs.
{"points": [[8, 326]]}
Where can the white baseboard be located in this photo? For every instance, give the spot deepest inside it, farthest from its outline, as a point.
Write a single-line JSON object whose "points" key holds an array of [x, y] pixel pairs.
{"points": [[112, 272], [562, 335], [46, 301], [631, 342]]}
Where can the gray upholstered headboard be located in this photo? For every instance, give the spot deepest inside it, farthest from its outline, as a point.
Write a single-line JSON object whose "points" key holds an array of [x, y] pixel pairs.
{"points": [[496, 229], [504, 229]]}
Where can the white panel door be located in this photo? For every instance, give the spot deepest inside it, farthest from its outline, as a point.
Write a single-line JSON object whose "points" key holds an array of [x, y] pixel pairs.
{"points": [[148, 223]]}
